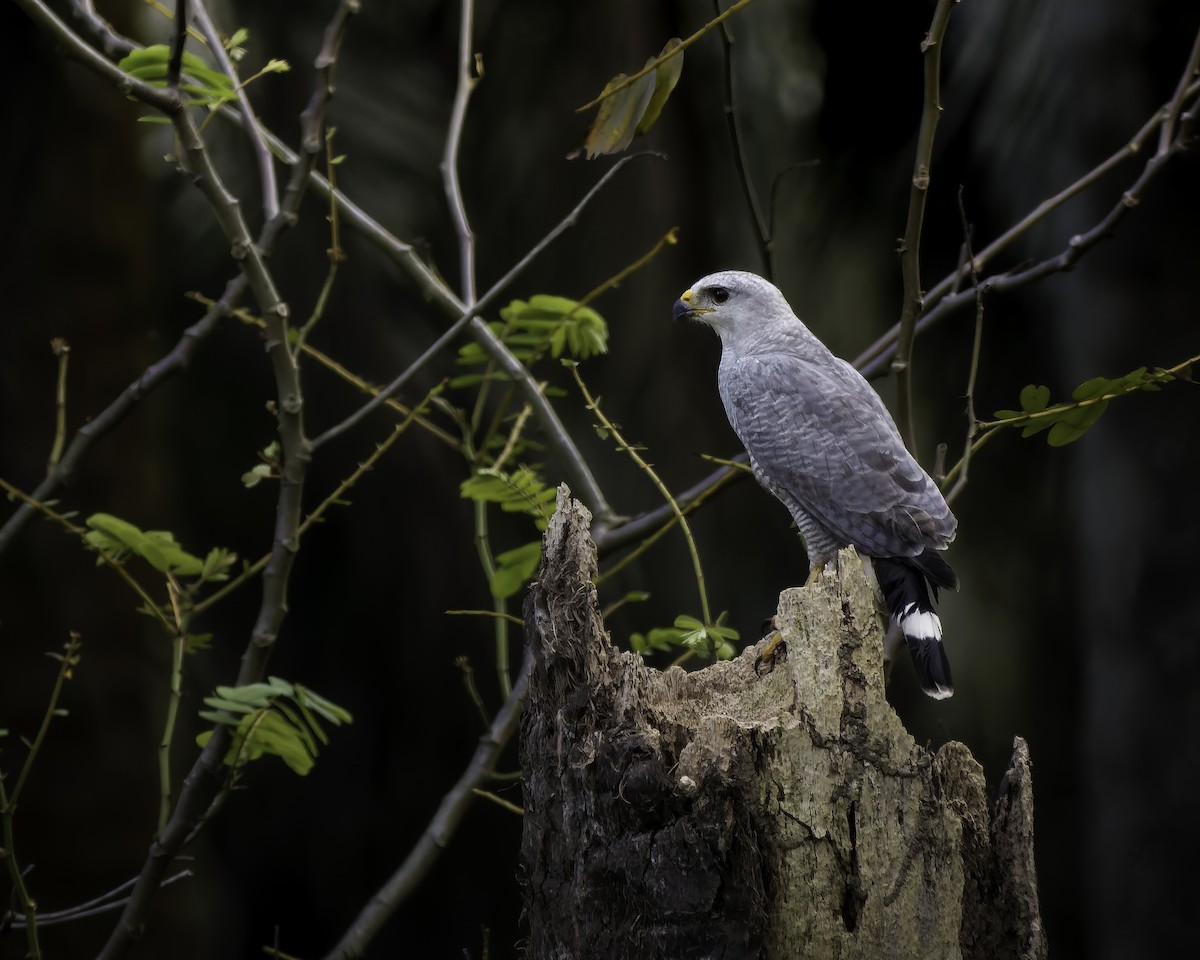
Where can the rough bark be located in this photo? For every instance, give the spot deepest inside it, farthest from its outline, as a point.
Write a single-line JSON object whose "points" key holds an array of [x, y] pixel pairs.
{"points": [[731, 812]]}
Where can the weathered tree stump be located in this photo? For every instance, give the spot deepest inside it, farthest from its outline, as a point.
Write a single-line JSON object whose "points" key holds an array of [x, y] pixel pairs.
{"points": [[727, 813]]}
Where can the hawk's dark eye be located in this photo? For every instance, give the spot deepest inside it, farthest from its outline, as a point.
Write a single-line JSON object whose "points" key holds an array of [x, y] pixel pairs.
{"points": [[719, 294]]}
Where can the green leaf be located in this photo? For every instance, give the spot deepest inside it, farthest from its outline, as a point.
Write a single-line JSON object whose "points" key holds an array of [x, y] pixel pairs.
{"points": [[1034, 399], [117, 538], [521, 491], [217, 564], [255, 694], [1072, 425], [326, 708], [230, 705], [543, 324], [199, 641], [658, 640], [666, 75], [618, 116], [152, 64], [514, 568], [273, 718], [724, 633], [1096, 387]]}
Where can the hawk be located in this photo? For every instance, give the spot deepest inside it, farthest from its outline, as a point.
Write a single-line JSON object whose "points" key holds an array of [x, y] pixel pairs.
{"points": [[820, 439]]}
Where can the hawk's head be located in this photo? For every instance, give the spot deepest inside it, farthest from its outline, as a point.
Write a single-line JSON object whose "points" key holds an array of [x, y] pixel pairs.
{"points": [[735, 304]]}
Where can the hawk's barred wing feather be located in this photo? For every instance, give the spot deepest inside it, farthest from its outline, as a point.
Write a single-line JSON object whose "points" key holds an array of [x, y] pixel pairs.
{"points": [[819, 432]]}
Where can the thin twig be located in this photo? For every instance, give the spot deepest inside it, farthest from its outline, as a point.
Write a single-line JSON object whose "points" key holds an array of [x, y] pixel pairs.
{"points": [[262, 155], [608, 539], [207, 775], [665, 521], [976, 349], [166, 99], [335, 496], [1166, 133], [101, 904], [404, 255], [9, 801], [1076, 247], [992, 428], [178, 648], [171, 363], [114, 45], [178, 39], [483, 547], [499, 801], [468, 675], [339, 370], [467, 80], [910, 248], [761, 226], [334, 253], [470, 315], [658, 61], [684, 526], [485, 613], [941, 299], [438, 833], [50, 513], [62, 350], [181, 354]]}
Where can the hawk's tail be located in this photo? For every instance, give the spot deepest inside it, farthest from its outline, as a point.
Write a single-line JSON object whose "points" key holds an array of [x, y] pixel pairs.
{"points": [[906, 583]]}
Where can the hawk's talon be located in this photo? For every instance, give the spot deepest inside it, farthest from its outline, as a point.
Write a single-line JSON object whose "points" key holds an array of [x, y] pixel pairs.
{"points": [[771, 651]]}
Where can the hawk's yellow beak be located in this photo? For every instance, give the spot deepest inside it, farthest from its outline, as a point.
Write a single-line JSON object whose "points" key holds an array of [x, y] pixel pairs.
{"points": [[684, 308]]}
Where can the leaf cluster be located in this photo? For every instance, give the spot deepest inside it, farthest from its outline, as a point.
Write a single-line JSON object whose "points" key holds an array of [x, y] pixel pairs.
{"points": [[519, 491], [532, 328], [209, 87], [118, 539], [275, 718], [1068, 421], [705, 640]]}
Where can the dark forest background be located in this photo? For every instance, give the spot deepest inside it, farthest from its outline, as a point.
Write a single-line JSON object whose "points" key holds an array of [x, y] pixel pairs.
{"points": [[1077, 623]]}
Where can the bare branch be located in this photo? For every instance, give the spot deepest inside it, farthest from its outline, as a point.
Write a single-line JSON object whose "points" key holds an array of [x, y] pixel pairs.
{"points": [[207, 774], [976, 347], [266, 163], [761, 226], [1076, 247], [178, 39], [112, 43], [875, 359], [101, 904], [440, 829], [458, 115], [910, 247], [502, 356], [404, 255], [608, 539], [165, 99], [1166, 134]]}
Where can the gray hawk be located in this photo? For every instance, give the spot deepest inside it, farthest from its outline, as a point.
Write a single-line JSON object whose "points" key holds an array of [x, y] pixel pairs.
{"points": [[820, 439]]}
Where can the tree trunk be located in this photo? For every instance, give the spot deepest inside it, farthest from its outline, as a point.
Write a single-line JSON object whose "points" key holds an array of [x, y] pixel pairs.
{"points": [[732, 812]]}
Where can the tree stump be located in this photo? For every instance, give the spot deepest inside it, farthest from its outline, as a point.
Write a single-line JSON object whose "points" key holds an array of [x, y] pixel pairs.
{"points": [[733, 812]]}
